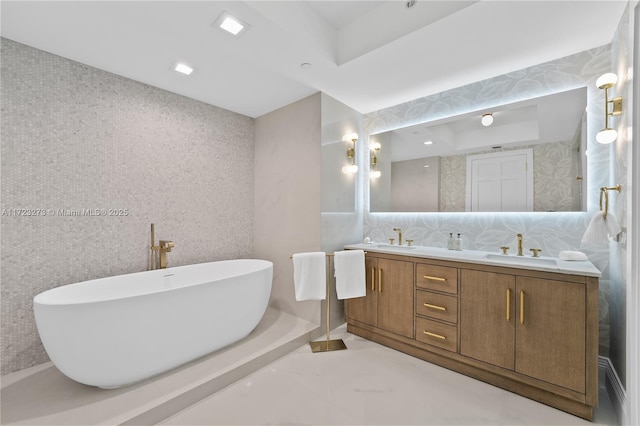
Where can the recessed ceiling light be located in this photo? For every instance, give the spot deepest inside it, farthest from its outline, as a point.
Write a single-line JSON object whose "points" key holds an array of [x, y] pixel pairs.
{"points": [[305, 65], [182, 68], [231, 24], [428, 143]]}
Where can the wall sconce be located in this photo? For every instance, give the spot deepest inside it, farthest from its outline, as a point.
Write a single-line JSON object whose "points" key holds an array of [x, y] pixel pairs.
{"points": [[606, 81], [487, 119], [375, 173], [351, 153]]}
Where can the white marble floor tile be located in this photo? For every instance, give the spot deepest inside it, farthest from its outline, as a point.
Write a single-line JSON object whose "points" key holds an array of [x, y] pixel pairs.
{"points": [[368, 384]]}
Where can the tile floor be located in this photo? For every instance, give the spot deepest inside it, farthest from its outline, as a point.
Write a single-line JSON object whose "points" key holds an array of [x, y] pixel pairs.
{"points": [[370, 384]]}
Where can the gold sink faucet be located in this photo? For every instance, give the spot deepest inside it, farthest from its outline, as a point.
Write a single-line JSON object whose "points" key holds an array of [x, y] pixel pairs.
{"points": [[399, 231], [519, 245], [162, 249]]}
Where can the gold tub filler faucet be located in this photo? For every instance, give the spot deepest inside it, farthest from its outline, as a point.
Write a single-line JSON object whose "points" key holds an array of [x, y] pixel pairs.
{"points": [[159, 252]]}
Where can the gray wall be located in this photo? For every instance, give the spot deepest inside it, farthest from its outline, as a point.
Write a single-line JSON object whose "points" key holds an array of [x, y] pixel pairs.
{"points": [[74, 137], [287, 196], [344, 227]]}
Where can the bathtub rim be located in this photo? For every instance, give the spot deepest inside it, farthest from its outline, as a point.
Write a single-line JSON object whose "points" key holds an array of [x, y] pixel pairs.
{"points": [[41, 298]]}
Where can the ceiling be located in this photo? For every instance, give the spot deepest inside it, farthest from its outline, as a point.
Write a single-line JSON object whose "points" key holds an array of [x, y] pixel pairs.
{"points": [[367, 54]]}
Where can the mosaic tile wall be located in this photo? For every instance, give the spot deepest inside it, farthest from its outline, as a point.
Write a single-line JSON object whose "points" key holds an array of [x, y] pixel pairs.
{"points": [[76, 141], [553, 232]]}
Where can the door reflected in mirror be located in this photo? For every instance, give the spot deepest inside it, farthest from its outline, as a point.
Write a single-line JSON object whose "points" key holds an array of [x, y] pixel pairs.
{"points": [[465, 163]]}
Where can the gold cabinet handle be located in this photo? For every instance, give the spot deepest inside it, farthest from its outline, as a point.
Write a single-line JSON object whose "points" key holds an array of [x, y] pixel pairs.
{"points": [[440, 308], [428, 277], [380, 280], [508, 304], [373, 279], [437, 336], [521, 307]]}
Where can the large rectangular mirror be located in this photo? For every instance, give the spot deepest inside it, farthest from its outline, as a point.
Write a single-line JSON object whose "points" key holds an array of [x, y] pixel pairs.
{"points": [[531, 157]]}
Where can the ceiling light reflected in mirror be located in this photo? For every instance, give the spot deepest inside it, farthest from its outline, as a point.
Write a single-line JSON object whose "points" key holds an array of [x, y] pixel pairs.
{"points": [[487, 119]]}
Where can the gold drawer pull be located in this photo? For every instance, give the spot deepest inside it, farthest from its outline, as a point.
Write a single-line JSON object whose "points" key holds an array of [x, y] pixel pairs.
{"points": [[508, 304], [440, 308], [380, 280], [428, 277], [373, 279], [521, 307], [437, 336]]}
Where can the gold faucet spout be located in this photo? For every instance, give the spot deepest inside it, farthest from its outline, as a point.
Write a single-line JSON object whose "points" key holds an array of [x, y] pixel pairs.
{"points": [[519, 245], [165, 247], [399, 231]]}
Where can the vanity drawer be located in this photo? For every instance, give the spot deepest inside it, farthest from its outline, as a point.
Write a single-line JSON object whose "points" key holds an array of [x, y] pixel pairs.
{"points": [[438, 278], [437, 306], [437, 334]]}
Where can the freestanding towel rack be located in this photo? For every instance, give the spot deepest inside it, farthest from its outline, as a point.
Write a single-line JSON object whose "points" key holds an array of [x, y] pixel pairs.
{"points": [[328, 344]]}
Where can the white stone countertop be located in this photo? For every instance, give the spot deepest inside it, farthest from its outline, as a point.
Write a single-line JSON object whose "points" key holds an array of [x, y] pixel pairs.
{"points": [[542, 263]]}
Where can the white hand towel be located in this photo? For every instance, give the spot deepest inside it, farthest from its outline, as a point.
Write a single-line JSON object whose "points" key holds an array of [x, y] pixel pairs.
{"points": [[350, 274], [612, 225], [310, 275], [572, 255], [597, 231]]}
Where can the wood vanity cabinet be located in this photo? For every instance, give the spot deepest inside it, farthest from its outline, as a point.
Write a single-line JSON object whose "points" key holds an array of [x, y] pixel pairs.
{"points": [[532, 332], [533, 326], [388, 304]]}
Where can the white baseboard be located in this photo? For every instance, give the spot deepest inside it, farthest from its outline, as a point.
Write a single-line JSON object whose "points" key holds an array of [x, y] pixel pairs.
{"points": [[614, 387]]}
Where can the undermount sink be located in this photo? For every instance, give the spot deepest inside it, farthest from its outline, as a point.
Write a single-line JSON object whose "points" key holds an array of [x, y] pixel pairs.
{"points": [[522, 260], [395, 246]]}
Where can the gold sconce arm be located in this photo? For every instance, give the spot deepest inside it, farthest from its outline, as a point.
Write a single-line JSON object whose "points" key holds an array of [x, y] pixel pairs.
{"points": [[374, 172], [351, 153], [611, 107]]}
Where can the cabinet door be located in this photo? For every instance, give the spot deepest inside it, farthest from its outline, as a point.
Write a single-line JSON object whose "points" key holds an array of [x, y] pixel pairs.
{"points": [[550, 331], [364, 309], [487, 319], [395, 296]]}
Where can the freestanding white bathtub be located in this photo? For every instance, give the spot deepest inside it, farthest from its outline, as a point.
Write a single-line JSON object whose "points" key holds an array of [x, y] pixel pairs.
{"points": [[115, 331]]}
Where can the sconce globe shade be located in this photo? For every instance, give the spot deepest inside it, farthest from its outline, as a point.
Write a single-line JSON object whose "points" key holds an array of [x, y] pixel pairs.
{"points": [[350, 137], [487, 120], [375, 174], [375, 145], [606, 80], [350, 169], [606, 136]]}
